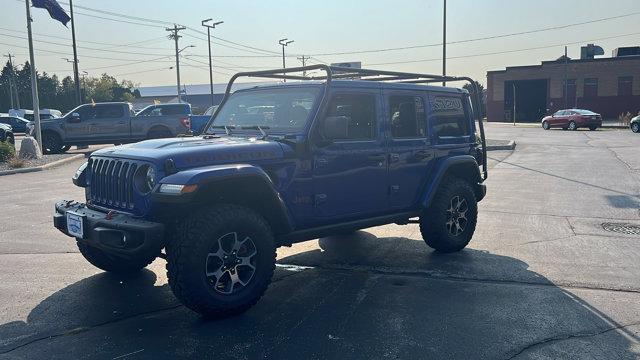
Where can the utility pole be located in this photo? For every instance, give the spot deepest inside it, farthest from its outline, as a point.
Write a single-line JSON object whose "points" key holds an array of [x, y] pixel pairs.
{"points": [[12, 82], [34, 80], [174, 36], [304, 63], [209, 27], [76, 76], [284, 42], [444, 42]]}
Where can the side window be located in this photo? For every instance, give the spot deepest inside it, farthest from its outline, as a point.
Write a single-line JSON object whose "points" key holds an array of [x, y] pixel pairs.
{"points": [[86, 112], [448, 117], [407, 117], [109, 112], [360, 113]]}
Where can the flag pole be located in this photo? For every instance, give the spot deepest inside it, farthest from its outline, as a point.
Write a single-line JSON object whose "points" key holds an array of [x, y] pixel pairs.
{"points": [[34, 80]]}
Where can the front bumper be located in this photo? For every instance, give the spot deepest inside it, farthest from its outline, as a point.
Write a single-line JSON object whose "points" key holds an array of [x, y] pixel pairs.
{"points": [[116, 233]]}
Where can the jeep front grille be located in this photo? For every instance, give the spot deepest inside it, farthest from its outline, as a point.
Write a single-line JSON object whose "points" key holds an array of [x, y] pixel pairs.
{"points": [[111, 182]]}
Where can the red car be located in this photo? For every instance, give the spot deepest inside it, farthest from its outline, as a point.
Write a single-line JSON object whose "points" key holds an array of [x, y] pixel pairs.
{"points": [[572, 119]]}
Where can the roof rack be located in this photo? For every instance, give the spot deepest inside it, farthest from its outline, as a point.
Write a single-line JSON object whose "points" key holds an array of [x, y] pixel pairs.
{"points": [[336, 72]]}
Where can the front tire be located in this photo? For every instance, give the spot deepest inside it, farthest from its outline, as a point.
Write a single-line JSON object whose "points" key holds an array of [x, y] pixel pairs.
{"points": [[635, 127], [221, 260], [545, 125], [449, 223], [109, 263], [573, 126], [52, 143]]}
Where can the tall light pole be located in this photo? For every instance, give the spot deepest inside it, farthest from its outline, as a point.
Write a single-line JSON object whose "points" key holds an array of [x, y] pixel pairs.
{"points": [[209, 27], [284, 42], [444, 42], [34, 80]]}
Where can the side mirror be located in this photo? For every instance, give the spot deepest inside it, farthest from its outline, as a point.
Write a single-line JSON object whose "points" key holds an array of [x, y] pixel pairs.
{"points": [[335, 128], [74, 118]]}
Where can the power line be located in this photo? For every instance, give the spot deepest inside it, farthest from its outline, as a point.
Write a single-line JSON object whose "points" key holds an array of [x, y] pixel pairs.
{"points": [[503, 52]]}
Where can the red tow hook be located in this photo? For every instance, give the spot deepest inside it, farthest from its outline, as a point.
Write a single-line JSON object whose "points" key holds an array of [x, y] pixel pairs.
{"points": [[109, 215]]}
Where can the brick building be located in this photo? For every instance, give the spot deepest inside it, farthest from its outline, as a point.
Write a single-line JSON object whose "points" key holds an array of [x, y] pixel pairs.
{"points": [[609, 86]]}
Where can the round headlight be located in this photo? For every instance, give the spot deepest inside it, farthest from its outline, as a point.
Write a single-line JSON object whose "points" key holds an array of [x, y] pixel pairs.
{"points": [[151, 178], [145, 179]]}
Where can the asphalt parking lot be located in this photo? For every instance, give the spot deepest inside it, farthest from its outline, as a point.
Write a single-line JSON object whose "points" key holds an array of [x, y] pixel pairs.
{"points": [[542, 278]]}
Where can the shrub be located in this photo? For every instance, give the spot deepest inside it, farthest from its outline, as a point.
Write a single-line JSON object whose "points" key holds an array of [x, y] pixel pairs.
{"points": [[7, 151], [16, 163]]}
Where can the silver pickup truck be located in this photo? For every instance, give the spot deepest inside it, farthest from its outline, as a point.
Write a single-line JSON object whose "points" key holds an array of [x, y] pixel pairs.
{"points": [[113, 123]]}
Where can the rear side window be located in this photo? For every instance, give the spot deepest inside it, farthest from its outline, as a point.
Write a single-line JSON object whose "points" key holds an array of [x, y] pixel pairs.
{"points": [[360, 111], [448, 117], [109, 112], [407, 117], [174, 110]]}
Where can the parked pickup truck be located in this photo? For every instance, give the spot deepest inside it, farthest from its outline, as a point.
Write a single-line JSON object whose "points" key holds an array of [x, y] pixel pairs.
{"points": [[113, 123]]}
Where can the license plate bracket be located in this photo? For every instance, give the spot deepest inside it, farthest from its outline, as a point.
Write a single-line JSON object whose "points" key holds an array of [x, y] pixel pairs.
{"points": [[75, 225]]}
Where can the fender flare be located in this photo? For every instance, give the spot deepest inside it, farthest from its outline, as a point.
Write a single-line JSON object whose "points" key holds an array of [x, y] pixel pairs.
{"points": [[459, 163], [207, 178]]}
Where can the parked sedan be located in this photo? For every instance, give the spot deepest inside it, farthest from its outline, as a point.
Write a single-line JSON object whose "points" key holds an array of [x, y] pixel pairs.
{"points": [[18, 124], [572, 119], [635, 124]]}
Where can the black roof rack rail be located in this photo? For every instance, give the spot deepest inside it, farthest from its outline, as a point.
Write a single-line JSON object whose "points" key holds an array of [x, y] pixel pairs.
{"points": [[336, 72]]}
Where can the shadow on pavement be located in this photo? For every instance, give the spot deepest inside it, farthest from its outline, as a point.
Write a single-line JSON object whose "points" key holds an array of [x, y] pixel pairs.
{"points": [[365, 297]]}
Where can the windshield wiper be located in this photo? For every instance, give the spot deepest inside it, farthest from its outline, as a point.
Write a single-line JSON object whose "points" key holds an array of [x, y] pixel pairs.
{"points": [[225, 127], [258, 127]]}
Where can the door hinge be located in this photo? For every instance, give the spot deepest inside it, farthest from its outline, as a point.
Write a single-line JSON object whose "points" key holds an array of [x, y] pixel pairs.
{"points": [[320, 199]]}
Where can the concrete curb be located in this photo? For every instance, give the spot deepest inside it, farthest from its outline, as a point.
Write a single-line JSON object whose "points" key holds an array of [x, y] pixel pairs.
{"points": [[509, 146], [42, 167]]}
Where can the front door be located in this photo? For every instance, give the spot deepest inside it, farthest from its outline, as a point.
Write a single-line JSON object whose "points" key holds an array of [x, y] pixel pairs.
{"points": [[110, 123], [410, 154], [350, 170]]}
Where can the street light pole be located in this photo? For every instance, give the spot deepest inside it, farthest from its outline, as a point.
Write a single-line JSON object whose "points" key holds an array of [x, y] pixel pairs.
{"points": [[284, 42], [209, 27], [34, 80]]}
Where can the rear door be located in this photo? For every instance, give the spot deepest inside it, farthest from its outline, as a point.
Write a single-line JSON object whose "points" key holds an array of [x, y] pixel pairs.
{"points": [[410, 154], [350, 174]]}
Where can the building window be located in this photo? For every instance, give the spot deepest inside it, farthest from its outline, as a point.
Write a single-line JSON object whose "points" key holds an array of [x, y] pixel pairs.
{"points": [[590, 87], [569, 89], [625, 85]]}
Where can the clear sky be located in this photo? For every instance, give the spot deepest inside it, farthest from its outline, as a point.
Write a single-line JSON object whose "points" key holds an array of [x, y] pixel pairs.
{"points": [[318, 27]]}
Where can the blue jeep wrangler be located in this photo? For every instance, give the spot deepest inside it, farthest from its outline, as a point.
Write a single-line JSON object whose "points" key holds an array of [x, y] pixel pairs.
{"points": [[279, 164]]}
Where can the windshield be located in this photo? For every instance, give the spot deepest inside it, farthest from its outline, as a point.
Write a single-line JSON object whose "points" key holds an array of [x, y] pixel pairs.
{"points": [[277, 109], [584, 112]]}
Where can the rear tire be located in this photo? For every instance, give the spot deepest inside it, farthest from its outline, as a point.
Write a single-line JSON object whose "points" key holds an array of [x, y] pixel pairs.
{"points": [[205, 272], [449, 223], [635, 127], [545, 125], [109, 263], [573, 126]]}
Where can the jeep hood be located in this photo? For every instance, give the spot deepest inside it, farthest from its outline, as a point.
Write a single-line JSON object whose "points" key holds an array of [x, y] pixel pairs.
{"points": [[192, 152]]}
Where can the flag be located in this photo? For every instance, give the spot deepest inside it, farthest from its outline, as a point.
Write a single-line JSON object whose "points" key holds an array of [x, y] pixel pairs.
{"points": [[55, 10]]}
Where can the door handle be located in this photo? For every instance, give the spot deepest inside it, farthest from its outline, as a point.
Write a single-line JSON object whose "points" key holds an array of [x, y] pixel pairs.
{"points": [[422, 154], [321, 162], [377, 157]]}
